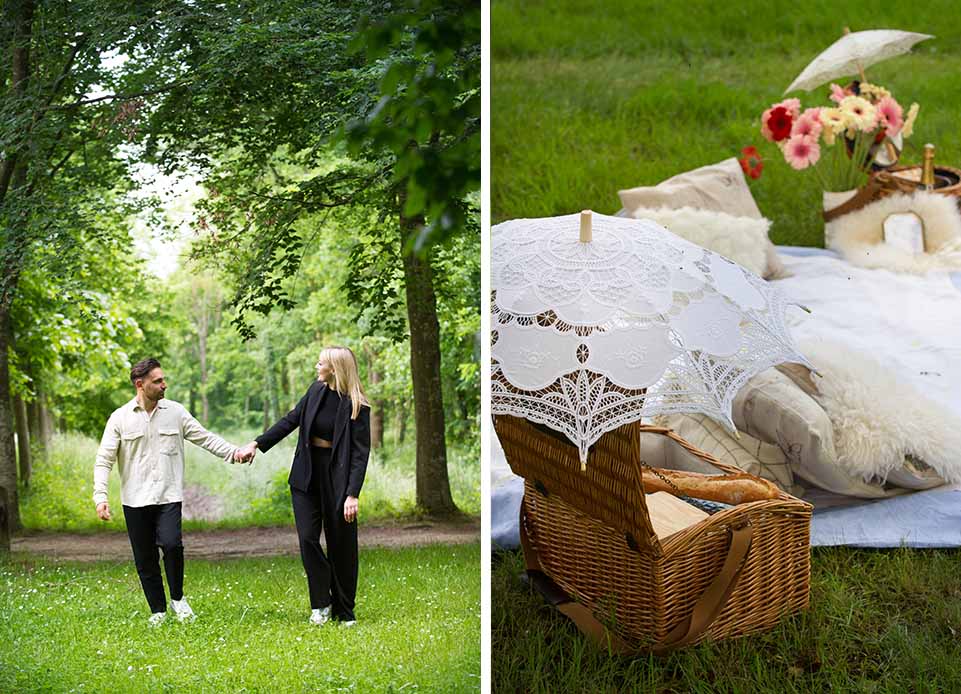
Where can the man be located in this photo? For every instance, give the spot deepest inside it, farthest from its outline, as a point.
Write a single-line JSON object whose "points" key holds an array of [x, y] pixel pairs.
{"points": [[145, 438]]}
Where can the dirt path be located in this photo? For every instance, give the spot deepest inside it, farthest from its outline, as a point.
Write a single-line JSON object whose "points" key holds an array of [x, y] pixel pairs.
{"points": [[243, 542]]}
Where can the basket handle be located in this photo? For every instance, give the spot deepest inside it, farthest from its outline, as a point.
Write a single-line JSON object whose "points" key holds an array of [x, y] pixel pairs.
{"points": [[582, 617], [705, 611], [715, 596]]}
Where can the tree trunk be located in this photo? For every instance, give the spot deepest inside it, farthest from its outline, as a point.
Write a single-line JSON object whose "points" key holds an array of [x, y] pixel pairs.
{"points": [[33, 419], [23, 439], [46, 419], [202, 324], [376, 405], [433, 484], [4, 522], [8, 452], [401, 425]]}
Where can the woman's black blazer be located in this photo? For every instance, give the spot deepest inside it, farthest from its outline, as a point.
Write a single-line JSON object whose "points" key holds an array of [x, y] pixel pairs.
{"points": [[351, 443]]}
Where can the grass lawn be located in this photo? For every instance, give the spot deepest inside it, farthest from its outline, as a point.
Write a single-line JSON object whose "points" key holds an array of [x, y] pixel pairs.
{"points": [[589, 99], [880, 621], [83, 627]]}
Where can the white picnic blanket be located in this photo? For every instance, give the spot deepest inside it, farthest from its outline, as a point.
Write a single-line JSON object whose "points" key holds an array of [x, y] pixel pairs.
{"points": [[910, 323]]}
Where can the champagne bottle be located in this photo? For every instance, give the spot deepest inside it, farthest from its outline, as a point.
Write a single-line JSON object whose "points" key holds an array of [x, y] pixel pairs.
{"points": [[927, 168]]}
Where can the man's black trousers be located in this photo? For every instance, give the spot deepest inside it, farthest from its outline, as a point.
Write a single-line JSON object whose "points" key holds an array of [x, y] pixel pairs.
{"points": [[151, 528]]}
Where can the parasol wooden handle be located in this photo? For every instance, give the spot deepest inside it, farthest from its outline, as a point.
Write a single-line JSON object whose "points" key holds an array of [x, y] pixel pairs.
{"points": [[586, 234], [847, 30]]}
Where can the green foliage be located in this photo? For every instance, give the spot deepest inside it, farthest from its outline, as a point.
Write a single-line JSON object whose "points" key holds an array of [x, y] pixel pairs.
{"points": [[879, 621], [60, 496], [584, 104], [427, 117], [70, 627]]}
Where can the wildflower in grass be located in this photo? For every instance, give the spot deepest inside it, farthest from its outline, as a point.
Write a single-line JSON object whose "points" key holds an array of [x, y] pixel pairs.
{"points": [[751, 162], [802, 152]]}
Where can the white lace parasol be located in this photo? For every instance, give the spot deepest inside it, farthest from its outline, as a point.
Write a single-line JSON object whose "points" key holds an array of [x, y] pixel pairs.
{"points": [[637, 322], [854, 52]]}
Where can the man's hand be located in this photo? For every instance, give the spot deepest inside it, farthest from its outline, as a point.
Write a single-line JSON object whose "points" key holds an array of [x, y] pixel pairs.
{"points": [[246, 453], [350, 509], [103, 511]]}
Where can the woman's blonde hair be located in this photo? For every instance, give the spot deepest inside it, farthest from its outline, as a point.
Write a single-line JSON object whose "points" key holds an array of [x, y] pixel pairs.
{"points": [[346, 378]]}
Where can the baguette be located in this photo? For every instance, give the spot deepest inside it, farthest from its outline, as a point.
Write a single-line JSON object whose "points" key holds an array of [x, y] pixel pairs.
{"points": [[731, 488]]}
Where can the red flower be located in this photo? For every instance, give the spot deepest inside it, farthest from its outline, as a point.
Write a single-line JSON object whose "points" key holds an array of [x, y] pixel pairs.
{"points": [[751, 162], [776, 124]]}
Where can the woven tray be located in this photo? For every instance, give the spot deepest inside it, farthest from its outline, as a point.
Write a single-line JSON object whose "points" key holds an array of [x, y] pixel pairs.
{"points": [[590, 536]]}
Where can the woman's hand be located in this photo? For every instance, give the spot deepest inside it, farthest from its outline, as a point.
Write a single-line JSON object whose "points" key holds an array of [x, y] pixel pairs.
{"points": [[246, 454], [350, 509]]}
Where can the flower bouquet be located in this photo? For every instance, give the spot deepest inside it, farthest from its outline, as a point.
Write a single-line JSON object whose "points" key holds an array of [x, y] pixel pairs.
{"points": [[854, 129]]}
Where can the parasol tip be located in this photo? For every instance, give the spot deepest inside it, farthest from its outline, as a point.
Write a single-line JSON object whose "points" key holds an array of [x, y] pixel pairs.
{"points": [[586, 233]]}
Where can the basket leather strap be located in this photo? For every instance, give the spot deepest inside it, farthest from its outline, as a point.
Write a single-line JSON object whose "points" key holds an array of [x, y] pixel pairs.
{"points": [[705, 611], [582, 617], [715, 596], [855, 202]]}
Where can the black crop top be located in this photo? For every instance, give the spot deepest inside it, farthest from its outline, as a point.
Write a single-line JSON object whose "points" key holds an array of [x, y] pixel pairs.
{"points": [[323, 425]]}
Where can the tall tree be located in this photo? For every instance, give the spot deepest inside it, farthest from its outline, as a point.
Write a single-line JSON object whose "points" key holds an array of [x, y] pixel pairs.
{"points": [[59, 157], [410, 107]]}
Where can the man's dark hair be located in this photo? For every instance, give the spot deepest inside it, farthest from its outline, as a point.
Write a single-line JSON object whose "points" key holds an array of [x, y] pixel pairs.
{"points": [[142, 368]]}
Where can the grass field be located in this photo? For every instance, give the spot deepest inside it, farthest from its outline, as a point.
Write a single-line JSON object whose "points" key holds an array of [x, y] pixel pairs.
{"points": [[221, 495], [878, 622], [587, 99], [83, 628]]}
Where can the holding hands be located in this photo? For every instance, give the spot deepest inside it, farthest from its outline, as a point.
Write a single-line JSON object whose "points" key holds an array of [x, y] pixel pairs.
{"points": [[246, 453]]}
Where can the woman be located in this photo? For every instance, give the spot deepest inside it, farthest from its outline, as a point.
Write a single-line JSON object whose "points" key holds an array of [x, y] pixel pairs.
{"points": [[325, 479]]}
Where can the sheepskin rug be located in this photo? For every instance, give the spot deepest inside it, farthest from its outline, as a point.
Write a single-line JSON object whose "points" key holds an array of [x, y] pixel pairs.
{"points": [[859, 235], [741, 239], [879, 420]]}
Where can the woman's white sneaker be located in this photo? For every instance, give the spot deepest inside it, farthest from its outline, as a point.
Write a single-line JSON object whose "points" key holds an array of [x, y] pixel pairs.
{"points": [[156, 619], [182, 610], [320, 617]]}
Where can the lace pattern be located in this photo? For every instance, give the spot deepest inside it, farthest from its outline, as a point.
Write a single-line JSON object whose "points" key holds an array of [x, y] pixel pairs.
{"points": [[637, 323]]}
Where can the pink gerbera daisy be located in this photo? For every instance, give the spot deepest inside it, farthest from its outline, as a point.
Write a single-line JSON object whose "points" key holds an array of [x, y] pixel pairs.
{"points": [[801, 152], [837, 93], [891, 115], [808, 125], [793, 106]]}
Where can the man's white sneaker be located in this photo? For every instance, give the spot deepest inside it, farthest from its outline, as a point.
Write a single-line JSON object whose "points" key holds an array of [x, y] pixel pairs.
{"points": [[156, 619], [182, 610], [320, 617], [349, 623]]}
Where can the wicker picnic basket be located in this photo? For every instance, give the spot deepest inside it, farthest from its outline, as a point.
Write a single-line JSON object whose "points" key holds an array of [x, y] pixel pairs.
{"points": [[590, 547]]}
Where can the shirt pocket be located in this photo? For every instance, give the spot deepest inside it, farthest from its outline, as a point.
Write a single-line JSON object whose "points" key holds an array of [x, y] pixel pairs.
{"points": [[169, 441], [132, 436]]}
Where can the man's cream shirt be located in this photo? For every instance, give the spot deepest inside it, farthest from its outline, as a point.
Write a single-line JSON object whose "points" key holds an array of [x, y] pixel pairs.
{"points": [[149, 452]]}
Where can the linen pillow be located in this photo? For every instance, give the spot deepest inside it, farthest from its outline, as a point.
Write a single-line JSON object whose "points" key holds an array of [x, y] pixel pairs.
{"points": [[741, 239], [772, 408], [758, 458], [719, 187]]}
